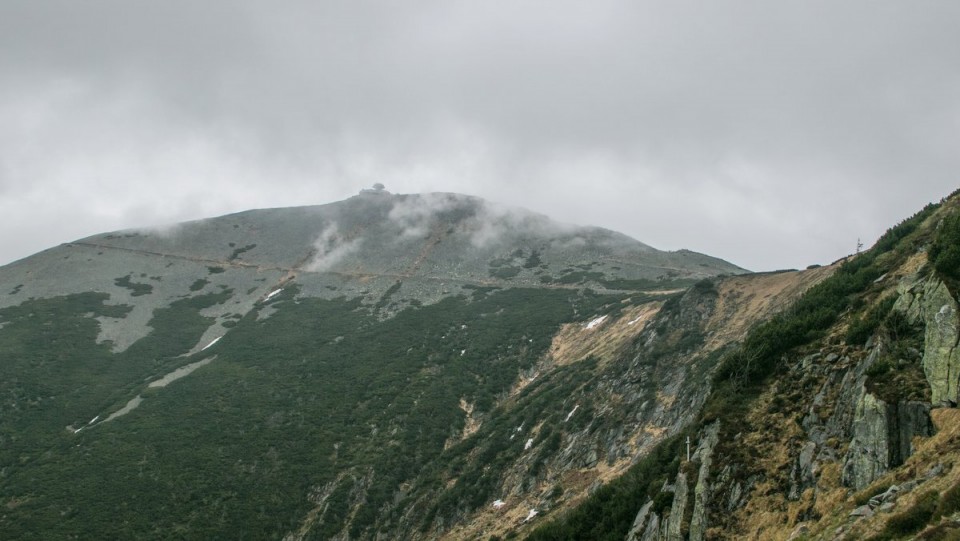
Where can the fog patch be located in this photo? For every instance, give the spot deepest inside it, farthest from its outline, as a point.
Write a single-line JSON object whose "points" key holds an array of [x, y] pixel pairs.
{"points": [[331, 247], [484, 223], [493, 222], [164, 231], [415, 215]]}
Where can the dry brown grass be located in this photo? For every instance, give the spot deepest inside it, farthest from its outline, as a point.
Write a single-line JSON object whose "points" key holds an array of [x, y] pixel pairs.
{"points": [[576, 342], [744, 300]]}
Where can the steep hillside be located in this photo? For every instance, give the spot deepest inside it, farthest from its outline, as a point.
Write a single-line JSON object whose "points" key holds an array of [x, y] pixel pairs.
{"points": [[436, 367], [835, 419], [383, 367]]}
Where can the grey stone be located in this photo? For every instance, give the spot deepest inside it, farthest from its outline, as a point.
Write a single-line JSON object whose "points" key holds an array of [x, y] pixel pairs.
{"points": [[701, 494], [913, 419], [935, 471], [909, 485], [675, 522], [798, 532], [941, 360], [640, 522], [882, 437], [736, 491], [862, 512], [868, 454], [652, 531], [886, 507]]}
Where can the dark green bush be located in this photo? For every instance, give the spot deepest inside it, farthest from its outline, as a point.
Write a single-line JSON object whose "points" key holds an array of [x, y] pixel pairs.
{"points": [[945, 249], [863, 327]]}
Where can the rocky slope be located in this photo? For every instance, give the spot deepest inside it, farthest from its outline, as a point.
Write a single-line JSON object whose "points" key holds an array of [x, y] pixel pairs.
{"points": [[340, 371], [834, 420], [436, 367]]}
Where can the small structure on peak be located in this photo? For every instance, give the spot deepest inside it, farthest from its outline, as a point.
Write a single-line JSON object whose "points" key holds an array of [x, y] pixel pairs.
{"points": [[377, 189]]}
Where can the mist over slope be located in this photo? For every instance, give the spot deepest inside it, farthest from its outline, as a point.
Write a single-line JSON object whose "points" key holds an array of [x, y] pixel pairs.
{"points": [[389, 366]]}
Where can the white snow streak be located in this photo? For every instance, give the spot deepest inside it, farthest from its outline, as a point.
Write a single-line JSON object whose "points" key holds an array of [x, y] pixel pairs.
{"points": [[498, 504], [212, 342], [272, 294], [529, 444], [569, 415], [596, 322]]}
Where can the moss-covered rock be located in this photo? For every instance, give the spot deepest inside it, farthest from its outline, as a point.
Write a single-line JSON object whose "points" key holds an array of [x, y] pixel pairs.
{"points": [[941, 360]]}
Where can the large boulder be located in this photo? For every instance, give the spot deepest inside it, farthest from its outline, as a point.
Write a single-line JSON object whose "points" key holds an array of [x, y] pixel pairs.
{"points": [[941, 360]]}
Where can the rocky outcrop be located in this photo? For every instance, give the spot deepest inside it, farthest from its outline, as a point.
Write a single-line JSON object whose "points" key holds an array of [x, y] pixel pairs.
{"points": [[883, 438], [868, 455], [803, 474], [930, 302], [675, 522], [640, 523], [941, 360], [652, 531], [701, 494]]}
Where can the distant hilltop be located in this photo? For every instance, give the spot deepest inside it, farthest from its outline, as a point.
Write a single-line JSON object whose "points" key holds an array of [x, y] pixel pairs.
{"points": [[378, 189]]}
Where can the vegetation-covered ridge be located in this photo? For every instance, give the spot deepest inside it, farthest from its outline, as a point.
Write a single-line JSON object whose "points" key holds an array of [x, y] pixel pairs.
{"points": [[284, 374], [792, 408]]}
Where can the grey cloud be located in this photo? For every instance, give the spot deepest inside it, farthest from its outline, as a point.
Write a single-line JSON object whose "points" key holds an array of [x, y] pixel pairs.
{"points": [[770, 134], [331, 248]]}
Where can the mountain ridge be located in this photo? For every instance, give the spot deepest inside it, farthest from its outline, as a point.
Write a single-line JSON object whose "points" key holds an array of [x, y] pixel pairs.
{"points": [[442, 371]]}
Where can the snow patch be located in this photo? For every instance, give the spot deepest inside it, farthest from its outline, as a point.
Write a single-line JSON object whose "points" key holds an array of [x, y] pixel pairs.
{"points": [[463, 352], [528, 445], [497, 504], [569, 415], [635, 320], [183, 371], [212, 342], [596, 322], [530, 515], [93, 420], [272, 294]]}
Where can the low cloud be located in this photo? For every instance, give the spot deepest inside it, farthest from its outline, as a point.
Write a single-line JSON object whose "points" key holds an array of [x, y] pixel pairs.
{"points": [[415, 215], [331, 249]]}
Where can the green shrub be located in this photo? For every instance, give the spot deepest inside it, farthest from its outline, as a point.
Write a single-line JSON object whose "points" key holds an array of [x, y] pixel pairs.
{"points": [[945, 249], [863, 327]]}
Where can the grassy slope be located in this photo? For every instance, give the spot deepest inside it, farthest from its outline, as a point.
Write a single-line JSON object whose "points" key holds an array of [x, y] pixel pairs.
{"points": [[744, 374]]}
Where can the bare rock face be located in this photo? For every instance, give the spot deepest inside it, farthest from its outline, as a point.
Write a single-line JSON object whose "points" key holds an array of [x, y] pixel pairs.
{"points": [[929, 301], [882, 437], [652, 531], [941, 360], [869, 452], [641, 522], [698, 523], [675, 522]]}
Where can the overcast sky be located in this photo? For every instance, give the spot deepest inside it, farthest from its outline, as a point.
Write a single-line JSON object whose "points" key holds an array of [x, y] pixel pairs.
{"points": [[770, 134]]}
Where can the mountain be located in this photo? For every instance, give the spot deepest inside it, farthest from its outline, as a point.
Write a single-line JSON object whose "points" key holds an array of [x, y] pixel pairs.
{"points": [[306, 372], [440, 367], [834, 419]]}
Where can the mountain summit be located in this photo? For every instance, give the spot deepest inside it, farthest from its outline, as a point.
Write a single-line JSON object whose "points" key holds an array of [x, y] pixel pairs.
{"points": [[384, 367], [420, 248]]}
